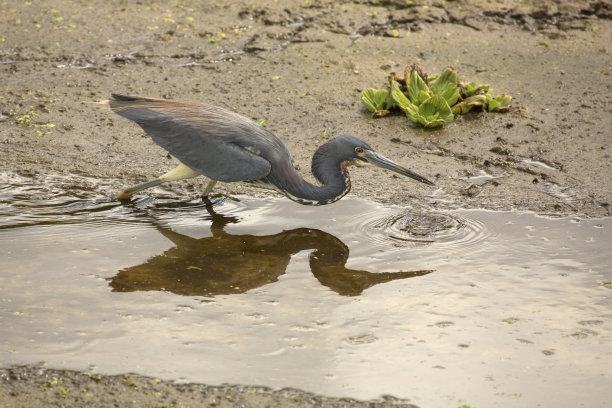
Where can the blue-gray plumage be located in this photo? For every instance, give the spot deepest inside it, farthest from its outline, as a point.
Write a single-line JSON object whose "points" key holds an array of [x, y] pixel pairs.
{"points": [[225, 146]]}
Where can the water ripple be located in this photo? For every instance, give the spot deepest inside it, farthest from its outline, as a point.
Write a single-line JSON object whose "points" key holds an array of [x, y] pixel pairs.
{"points": [[414, 228]]}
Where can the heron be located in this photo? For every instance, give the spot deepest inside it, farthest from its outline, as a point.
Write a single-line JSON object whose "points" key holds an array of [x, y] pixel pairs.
{"points": [[225, 146]]}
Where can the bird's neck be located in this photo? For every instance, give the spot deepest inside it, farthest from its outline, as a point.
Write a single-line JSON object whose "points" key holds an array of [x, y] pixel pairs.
{"points": [[332, 175]]}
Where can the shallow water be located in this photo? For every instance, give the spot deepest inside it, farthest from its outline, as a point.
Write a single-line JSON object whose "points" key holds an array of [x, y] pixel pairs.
{"points": [[352, 299]]}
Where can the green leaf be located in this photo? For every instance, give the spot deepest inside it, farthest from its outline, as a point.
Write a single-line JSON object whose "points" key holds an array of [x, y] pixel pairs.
{"points": [[492, 105], [476, 99], [489, 97], [434, 123], [417, 88], [422, 97], [435, 112], [446, 86], [448, 76], [413, 113], [501, 103], [376, 99], [467, 104], [398, 96], [450, 93], [436, 104], [472, 88], [403, 102]]}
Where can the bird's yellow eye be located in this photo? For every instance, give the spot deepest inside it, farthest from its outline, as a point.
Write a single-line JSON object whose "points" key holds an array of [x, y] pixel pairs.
{"points": [[359, 150]]}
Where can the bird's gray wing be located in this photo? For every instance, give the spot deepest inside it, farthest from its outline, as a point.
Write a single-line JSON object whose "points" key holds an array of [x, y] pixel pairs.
{"points": [[219, 144]]}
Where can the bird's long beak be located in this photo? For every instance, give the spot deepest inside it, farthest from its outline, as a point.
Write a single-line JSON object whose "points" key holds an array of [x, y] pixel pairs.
{"points": [[381, 161]]}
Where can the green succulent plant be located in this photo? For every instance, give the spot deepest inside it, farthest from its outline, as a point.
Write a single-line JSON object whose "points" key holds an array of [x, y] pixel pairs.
{"points": [[429, 110], [433, 100], [428, 106], [378, 101]]}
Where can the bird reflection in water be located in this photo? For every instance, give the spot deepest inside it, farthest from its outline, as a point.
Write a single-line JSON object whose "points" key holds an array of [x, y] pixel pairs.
{"points": [[228, 264]]}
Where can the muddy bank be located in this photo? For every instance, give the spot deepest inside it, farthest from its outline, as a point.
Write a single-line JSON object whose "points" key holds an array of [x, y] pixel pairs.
{"points": [[301, 66], [38, 387]]}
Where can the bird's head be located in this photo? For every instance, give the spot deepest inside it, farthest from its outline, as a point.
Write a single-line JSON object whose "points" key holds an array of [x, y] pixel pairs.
{"points": [[353, 151]]}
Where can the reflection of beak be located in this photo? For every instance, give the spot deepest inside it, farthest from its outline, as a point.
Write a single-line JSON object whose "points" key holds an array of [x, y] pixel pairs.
{"points": [[381, 161]]}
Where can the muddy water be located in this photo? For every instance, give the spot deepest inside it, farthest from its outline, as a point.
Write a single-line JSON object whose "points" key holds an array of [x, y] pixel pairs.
{"points": [[353, 299]]}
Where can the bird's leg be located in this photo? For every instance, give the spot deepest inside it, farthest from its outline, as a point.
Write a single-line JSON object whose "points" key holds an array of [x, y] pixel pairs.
{"points": [[181, 172], [128, 192], [209, 187]]}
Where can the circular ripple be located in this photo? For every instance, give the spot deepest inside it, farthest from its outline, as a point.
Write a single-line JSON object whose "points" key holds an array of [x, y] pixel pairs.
{"points": [[426, 228]]}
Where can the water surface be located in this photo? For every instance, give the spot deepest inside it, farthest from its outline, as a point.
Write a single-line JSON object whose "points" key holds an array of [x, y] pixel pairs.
{"points": [[352, 299]]}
